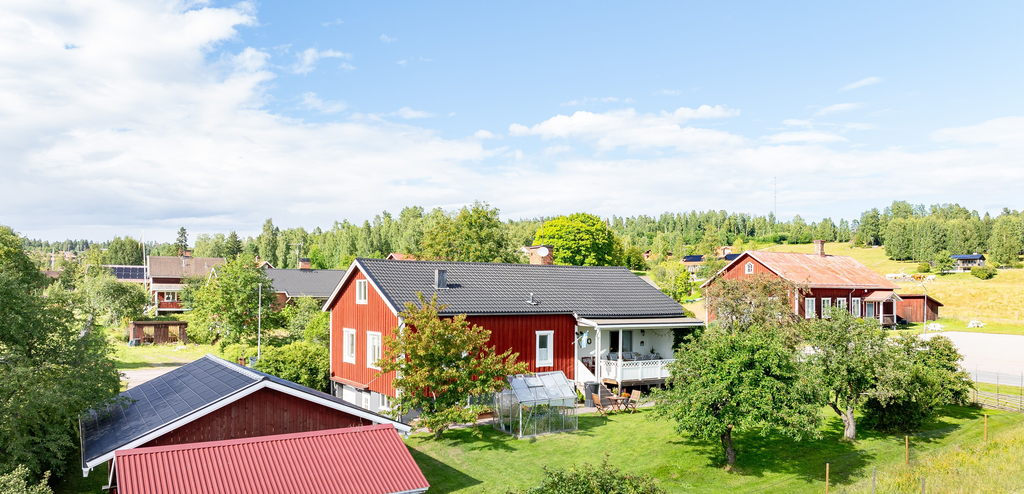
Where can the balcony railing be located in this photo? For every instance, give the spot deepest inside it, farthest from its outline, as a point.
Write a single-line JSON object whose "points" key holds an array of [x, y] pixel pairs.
{"points": [[635, 370]]}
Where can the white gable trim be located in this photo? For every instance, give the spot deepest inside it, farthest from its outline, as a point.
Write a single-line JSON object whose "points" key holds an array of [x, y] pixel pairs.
{"points": [[242, 393], [352, 269], [745, 255]]}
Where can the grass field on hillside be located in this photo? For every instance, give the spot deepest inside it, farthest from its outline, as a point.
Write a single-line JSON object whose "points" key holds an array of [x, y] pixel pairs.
{"points": [[999, 301], [494, 462]]}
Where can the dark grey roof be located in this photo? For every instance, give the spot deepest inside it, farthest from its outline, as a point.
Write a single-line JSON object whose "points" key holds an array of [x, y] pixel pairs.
{"points": [[316, 283], [492, 288], [180, 392], [968, 257]]}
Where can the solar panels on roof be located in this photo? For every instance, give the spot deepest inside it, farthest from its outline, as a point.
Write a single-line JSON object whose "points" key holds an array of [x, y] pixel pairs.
{"points": [[128, 272]]}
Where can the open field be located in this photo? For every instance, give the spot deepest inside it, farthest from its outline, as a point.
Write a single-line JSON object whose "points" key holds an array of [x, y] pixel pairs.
{"points": [[999, 301], [493, 462]]}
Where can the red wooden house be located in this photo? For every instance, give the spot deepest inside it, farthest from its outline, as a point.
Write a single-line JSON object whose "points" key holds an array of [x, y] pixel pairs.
{"points": [[555, 317], [167, 275], [830, 281]]}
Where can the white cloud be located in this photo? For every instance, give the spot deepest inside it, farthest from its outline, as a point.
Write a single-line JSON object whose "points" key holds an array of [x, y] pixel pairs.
{"points": [[335, 22], [867, 81], [1007, 132], [483, 134], [309, 57], [387, 39], [795, 122], [668, 92], [606, 99], [812, 137], [407, 113], [552, 150], [310, 101], [838, 108], [402, 62]]}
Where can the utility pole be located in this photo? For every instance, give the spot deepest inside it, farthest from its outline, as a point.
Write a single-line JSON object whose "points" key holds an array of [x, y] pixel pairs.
{"points": [[259, 322]]}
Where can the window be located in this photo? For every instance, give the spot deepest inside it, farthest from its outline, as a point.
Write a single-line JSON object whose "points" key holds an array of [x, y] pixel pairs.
{"points": [[841, 303], [856, 307], [168, 296], [372, 349], [348, 354], [385, 402], [360, 291], [545, 355], [826, 304], [366, 400], [809, 308], [750, 268], [869, 310]]}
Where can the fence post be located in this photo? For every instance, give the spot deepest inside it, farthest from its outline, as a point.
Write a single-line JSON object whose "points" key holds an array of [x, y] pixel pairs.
{"points": [[908, 448], [922, 485], [986, 427], [874, 475], [826, 478]]}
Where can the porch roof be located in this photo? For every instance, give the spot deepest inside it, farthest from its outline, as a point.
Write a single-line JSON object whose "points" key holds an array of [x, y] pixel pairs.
{"points": [[640, 322], [881, 296]]}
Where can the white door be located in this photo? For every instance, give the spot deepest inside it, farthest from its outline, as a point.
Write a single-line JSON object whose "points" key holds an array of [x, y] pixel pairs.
{"points": [[869, 310]]}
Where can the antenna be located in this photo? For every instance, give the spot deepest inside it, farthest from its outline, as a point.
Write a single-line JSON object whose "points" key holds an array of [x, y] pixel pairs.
{"points": [[296, 252], [775, 196]]}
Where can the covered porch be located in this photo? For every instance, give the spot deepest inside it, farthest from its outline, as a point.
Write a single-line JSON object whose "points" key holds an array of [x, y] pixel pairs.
{"points": [[881, 305], [626, 352]]}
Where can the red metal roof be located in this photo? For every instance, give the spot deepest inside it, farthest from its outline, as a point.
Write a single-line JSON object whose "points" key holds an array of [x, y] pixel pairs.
{"points": [[355, 460], [821, 271]]}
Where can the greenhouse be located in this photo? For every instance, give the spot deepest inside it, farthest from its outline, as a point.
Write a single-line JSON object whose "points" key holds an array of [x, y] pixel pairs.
{"points": [[536, 404]]}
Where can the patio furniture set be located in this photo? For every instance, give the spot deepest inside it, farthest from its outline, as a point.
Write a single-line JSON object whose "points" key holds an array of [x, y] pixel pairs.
{"points": [[625, 403]]}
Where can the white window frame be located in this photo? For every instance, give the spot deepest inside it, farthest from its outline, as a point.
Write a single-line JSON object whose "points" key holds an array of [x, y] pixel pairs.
{"points": [[841, 303], [826, 304], [874, 309], [168, 296], [810, 308], [348, 351], [550, 362], [749, 268], [384, 402], [856, 307], [362, 292], [372, 359]]}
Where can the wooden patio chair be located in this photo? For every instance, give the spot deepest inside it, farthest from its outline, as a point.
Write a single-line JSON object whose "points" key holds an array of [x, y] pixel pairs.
{"points": [[597, 404], [634, 400]]}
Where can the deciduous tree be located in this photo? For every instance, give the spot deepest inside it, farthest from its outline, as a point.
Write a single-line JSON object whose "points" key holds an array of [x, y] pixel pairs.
{"points": [[473, 234], [229, 303], [580, 239]]}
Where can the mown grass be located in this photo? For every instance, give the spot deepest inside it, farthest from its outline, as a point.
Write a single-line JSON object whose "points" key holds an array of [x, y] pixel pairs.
{"points": [[960, 325], [494, 462], [138, 357]]}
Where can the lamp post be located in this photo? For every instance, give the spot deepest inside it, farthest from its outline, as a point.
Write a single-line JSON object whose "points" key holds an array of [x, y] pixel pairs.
{"points": [[259, 322], [924, 309]]}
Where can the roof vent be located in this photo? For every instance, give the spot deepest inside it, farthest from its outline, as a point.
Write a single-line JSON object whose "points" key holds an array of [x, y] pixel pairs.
{"points": [[531, 301], [441, 279]]}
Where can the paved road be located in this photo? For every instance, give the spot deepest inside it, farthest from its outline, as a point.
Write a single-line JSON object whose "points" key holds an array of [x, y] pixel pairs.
{"points": [[138, 376], [986, 355]]}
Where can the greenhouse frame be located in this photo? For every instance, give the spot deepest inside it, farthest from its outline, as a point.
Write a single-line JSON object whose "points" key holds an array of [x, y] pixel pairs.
{"points": [[535, 404]]}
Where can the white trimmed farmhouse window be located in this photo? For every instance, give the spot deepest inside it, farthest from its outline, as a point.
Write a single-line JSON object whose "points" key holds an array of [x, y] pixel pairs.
{"points": [[168, 296], [545, 353], [841, 303], [361, 291], [372, 349], [856, 307], [348, 353], [385, 402], [809, 308], [749, 268], [826, 304]]}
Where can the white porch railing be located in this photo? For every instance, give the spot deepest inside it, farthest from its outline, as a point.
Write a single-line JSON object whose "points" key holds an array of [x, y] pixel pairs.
{"points": [[635, 370]]}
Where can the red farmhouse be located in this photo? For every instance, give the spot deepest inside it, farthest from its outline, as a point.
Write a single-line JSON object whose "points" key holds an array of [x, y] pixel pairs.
{"points": [[832, 281], [167, 276], [554, 317]]}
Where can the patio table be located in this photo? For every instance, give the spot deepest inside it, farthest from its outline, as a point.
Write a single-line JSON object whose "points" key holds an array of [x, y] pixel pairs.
{"points": [[617, 401]]}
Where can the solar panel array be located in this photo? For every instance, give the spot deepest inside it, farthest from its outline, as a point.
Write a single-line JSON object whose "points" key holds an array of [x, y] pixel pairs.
{"points": [[128, 272]]}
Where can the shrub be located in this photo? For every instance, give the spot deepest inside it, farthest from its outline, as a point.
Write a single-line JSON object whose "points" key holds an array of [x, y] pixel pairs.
{"points": [[983, 272], [924, 267], [17, 482], [299, 362], [589, 479], [233, 352]]}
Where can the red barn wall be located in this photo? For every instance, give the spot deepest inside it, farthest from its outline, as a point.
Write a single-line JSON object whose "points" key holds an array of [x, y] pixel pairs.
{"points": [[912, 309], [375, 315], [263, 413]]}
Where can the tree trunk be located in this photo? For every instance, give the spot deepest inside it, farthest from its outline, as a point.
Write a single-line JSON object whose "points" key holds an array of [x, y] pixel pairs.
{"points": [[730, 453], [849, 422]]}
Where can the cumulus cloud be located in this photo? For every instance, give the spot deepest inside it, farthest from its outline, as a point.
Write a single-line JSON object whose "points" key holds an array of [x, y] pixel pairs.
{"points": [[867, 81], [335, 22], [402, 62], [387, 39], [310, 56], [310, 101], [483, 134], [635, 130], [841, 107], [813, 137], [407, 113]]}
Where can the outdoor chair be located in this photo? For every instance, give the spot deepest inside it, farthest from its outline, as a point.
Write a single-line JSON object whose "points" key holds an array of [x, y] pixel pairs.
{"points": [[634, 400], [597, 404]]}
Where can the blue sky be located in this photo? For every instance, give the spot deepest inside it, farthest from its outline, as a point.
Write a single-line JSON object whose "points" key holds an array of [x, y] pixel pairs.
{"points": [[131, 115]]}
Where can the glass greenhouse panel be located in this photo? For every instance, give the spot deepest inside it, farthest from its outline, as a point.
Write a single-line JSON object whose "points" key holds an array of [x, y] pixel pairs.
{"points": [[536, 404]]}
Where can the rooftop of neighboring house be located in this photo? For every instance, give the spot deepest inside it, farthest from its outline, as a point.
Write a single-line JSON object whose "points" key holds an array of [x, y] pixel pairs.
{"points": [[816, 270], [181, 267], [968, 257], [315, 283], [495, 288]]}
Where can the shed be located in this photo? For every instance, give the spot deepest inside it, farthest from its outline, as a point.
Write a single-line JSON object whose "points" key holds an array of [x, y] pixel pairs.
{"points": [[536, 404], [355, 460], [913, 305], [158, 332]]}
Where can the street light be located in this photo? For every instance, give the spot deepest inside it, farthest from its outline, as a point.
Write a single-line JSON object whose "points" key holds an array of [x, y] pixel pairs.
{"points": [[924, 309], [259, 322]]}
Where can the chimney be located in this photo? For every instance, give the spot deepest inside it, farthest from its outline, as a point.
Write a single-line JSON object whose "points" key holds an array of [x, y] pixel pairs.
{"points": [[441, 279], [542, 254], [819, 248], [188, 253], [305, 263]]}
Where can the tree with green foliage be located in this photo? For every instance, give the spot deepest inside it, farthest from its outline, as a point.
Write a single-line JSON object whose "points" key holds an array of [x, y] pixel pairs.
{"points": [[672, 278], [943, 262], [921, 376], [634, 259], [984, 272], [588, 479], [755, 301], [17, 482], [228, 304], [869, 230], [473, 234], [207, 245], [847, 356], [125, 252], [266, 242], [232, 246], [439, 363], [580, 239], [117, 300], [1004, 243], [746, 380], [304, 320], [182, 242], [299, 362], [899, 239], [53, 367]]}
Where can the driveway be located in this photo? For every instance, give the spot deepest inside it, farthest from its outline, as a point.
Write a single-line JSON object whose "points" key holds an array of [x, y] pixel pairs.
{"points": [[138, 376], [988, 355]]}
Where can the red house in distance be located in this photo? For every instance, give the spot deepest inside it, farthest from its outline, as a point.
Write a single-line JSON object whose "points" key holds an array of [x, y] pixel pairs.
{"points": [[831, 281]]}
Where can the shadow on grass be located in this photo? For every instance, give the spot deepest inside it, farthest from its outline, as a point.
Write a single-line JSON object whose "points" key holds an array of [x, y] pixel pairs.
{"points": [[442, 478]]}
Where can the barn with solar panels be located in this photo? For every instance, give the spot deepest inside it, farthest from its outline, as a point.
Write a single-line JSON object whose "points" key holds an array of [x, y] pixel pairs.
{"points": [[536, 404]]}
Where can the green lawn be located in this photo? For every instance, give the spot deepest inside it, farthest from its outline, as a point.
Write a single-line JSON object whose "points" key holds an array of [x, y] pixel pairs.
{"points": [[156, 355], [493, 462], [960, 325]]}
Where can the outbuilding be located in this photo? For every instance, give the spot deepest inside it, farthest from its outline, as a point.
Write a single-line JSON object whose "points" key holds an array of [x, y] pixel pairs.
{"points": [[917, 307]]}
